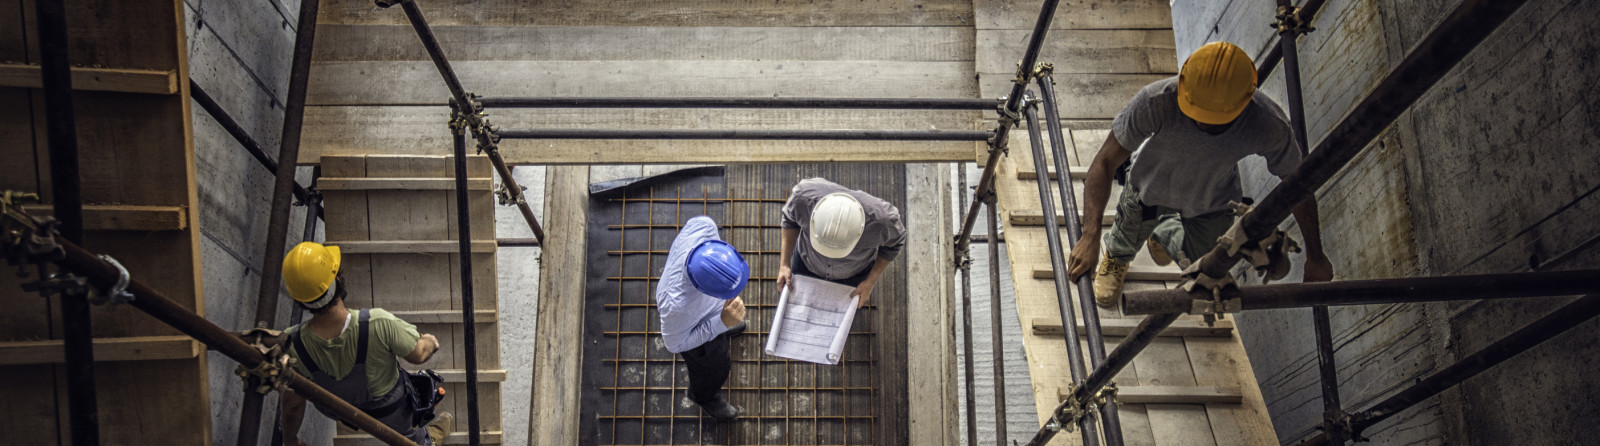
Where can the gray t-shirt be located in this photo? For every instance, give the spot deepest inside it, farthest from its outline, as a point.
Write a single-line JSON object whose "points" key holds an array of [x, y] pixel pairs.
{"points": [[1177, 165], [882, 238]]}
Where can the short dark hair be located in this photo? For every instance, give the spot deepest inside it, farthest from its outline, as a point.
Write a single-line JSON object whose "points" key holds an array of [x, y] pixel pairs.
{"points": [[338, 294]]}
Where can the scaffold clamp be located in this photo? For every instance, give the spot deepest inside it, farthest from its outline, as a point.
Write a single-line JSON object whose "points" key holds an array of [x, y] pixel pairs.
{"points": [[117, 293], [1289, 19], [273, 371]]}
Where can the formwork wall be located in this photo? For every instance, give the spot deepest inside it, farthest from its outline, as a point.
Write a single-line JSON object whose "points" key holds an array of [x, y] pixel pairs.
{"points": [[1491, 171]]}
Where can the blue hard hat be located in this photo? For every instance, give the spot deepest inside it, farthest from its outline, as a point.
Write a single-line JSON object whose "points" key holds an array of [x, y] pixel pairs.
{"points": [[715, 268]]}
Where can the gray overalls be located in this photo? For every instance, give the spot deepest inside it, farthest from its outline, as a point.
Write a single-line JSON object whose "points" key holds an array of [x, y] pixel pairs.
{"points": [[392, 409]]}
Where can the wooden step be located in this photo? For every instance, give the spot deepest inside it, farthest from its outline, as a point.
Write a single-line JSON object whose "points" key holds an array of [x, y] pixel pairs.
{"points": [[1028, 173], [1121, 327], [1135, 272], [141, 348], [1172, 395], [408, 246], [444, 316], [484, 437], [95, 79], [400, 183], [103, 217], [1036, 218]]}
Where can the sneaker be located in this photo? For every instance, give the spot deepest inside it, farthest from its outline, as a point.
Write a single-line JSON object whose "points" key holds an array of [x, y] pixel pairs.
{"points": [[1108, 282], [721, 410], [439, 428], [1159, 253]]}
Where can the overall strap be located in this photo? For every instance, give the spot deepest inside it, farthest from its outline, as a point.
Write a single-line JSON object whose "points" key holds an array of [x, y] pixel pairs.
{"points": [[300, 349], [361, 342]]}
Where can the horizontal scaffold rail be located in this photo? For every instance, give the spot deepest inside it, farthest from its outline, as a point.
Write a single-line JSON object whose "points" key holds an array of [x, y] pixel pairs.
{"points": [[812, 135], [759, 102]]}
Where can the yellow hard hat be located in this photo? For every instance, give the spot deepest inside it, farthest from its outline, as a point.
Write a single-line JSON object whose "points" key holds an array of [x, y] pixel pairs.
{"points": [[1216, 83], [309, 269]]}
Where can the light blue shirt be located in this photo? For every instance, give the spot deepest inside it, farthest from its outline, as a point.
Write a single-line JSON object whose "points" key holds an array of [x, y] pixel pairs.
{"points": [[688, 317]]}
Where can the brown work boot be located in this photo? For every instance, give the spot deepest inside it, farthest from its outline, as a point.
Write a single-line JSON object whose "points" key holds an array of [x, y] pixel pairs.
{"points": [[439, 428], [1159, 253], [1108, 281]]}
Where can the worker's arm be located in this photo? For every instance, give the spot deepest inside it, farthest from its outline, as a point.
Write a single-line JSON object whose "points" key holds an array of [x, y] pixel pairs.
{"points": [[786, 255], [292, 410], [1096, 192], [864, 290], [1318, 268], [427, 345]]}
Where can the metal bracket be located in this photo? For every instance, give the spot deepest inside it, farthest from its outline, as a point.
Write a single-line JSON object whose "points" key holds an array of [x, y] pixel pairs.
{"points": [[273, 372], [1071, 411], [1289, 19], [66, 284], [962, 258], [1042, 69], [1269, 256], [117, 293], [313, 195], [1023, 74], [504, 196]]}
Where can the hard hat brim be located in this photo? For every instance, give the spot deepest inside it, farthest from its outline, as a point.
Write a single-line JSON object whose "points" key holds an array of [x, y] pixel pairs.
{"points": [[1209, 117], [833, 253]]}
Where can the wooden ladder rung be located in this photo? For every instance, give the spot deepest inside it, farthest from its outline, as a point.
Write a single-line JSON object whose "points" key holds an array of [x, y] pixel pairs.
{"points": [[1036, 218], [1028, 173], [1135, 272], [119, 80], [1121, 327], [142, 348], [400, 184], [1172, 395], [484, 437], [104, 217]]}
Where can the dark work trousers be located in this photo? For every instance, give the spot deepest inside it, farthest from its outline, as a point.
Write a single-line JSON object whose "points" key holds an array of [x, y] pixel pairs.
{"points": [[708, 368], [798, 266]]}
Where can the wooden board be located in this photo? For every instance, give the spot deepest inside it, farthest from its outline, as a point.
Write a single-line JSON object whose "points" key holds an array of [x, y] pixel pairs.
{"points": [[1124, 326], [1075, 14], [1073, 52], [490, 437], [95, 79], [147, 348], [399, 184], [101, 217], [930, 319], [1036, 217], [1172, 395], [1135, 273], [1079, 96], [409, 246], [662, 13], [554, 408]]}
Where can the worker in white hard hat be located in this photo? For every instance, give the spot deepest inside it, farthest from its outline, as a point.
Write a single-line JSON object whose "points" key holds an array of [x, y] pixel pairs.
{"points": [[840, 235], [1187, 135], [353, 354]]}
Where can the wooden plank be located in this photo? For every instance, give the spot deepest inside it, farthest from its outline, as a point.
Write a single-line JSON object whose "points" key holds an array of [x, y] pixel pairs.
{"points": [[1172, 395], [1222, 362], [554, 408], [144, 348], [1036, 218], [102, 217], [1166, 363], [930, 335], [419, 130], [400, 183], [1075, 14], [663, 13], [1029, 174], [342, 43], [95, 79], [417, 82], [409, 246], [459, 437], [1081, 51], [1080, 96], [1121, 327], [444, 316], [1135, 273]]}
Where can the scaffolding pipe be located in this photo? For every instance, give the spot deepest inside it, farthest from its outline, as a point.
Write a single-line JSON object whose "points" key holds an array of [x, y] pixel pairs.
{"points": [[1109, 416], [1058, 263], [966, 323], [813, 135], [996, 334], [765, 103], [66, 192], [1444, 47], [1274, 54], [468, 321], [1368, 292], [1567, 317], [239, 134], [1143, 334]]}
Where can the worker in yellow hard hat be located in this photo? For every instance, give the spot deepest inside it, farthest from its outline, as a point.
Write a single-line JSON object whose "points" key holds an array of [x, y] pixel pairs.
{"points": [[840, 235], [1175, 148], [354, 355]]}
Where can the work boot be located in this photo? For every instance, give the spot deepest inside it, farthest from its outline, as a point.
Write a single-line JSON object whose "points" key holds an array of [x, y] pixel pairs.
{"points": [[439, 428], [1108, 282], [720, 409], [1159, 253]]}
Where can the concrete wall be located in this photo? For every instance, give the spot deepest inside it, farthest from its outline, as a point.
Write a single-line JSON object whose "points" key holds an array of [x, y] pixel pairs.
{"points": [[1492, 171], [240, 52]]}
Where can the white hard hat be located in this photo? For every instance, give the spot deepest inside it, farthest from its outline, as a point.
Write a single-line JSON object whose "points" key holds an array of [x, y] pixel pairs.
{"points": [[836, 224]]}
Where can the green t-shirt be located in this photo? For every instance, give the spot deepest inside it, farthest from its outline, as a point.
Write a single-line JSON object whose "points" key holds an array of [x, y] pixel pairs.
{"points": [[388, 337]]}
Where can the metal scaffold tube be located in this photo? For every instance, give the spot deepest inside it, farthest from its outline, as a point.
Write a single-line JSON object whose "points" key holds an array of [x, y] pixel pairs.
{"points": [[758, 102], [1058, 263], [1269, 62], [812, 135], [1554, 324], [1367, 292], [66, 191], [1109, 417], [238, 132], [468, 309], [966, 323], [997, 334]]}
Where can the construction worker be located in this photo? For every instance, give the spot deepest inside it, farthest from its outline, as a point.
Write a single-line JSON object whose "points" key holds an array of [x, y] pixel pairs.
{"points": [[1187, 133], [698, 299], [353, 355], [846, 236]]}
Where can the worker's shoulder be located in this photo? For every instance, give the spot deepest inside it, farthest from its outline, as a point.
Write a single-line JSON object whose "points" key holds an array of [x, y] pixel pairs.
{"points": [[1167, 87], [379, 314]]}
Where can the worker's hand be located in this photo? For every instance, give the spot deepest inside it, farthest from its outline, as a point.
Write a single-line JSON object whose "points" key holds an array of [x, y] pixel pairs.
{"points": [[733, 312], [1318, 268], [785, 276], [1084, 256], [864, 291]]}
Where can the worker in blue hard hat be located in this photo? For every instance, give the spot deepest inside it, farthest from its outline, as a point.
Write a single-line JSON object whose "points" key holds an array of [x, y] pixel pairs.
{"points": [[698, 300]]}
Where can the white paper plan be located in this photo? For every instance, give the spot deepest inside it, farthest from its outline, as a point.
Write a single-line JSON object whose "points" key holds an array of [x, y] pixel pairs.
{"points": [[813, 320]]}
